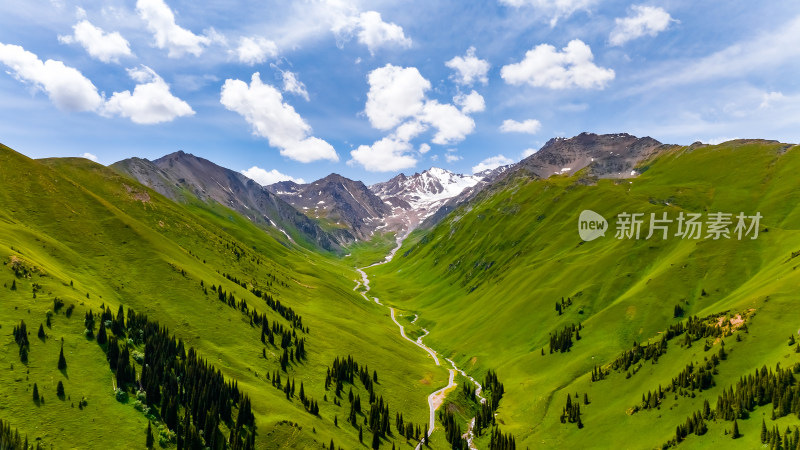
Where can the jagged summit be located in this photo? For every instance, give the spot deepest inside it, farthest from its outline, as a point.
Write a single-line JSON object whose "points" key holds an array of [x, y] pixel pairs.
{"points": [[341, 201], [607, 155], [182, 176], [415, 197]]}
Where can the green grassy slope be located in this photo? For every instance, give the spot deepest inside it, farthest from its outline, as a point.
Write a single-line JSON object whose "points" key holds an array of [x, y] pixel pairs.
{"points": [[485, 281], [88, 236]]}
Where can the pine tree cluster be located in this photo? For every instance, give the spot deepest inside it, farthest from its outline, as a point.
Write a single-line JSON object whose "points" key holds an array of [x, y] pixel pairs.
{"points": [[572, 412], [789, 440], [502, 441], [192, 396], [20, 333], [561, 340], [408, 429], [452, 430], [11, 440], [561, 306], [693, 329], [765, 386]]}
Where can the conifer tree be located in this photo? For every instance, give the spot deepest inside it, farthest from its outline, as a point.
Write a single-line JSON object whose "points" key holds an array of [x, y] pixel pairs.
{"points": [[101, 334], [41, 331], [376, 440], [62, 363], [13, 285], [735, 434], [35, 393], [60, 389], [150, 440]]}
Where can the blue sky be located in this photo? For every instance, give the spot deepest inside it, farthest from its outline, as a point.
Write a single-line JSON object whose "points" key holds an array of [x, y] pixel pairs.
{"points": [[368, 89]]}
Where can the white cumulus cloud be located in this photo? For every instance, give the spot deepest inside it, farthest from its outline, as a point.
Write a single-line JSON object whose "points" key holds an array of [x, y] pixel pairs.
{"points": [[409, 130], [263, 108], [107, 47], [644, 20], [255, 50], [398, 93], [528, 152], [266, 177], [451, 124], [544, 66], [397, 101], [151, 101], [67, 88], [470, 103], [554, 9], [90, 156], [530, 126], [372, 31], [469, 68], [491, 163], [395, 93], [375, 33], [385, 155], [160, 21]]}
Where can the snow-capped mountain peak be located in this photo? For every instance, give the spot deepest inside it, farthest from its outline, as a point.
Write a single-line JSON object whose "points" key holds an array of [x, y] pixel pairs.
{"points": [[415, 197]]}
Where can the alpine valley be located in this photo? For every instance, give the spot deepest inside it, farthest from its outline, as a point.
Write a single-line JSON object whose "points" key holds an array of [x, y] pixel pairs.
{"points": [[178, 303]]}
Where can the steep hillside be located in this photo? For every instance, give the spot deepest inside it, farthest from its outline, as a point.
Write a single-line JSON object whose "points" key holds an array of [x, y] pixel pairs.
{"points": [[597, 155], [485, 280], [340, 201], [79, 241], [186, 178]]}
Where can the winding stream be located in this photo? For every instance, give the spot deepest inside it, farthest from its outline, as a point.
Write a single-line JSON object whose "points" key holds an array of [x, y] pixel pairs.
{"points": [[436, 398]]}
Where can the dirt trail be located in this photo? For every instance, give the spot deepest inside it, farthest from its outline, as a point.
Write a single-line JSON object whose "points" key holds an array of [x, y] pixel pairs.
{"points": [[436, 398]]}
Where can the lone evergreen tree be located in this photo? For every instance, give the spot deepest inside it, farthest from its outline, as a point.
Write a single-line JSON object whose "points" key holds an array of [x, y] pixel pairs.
{"points": [[41, 331], [60, 389], [735, 434], [35, 393], [13, 285], [62, 363], [763, 431], [150, 439]]}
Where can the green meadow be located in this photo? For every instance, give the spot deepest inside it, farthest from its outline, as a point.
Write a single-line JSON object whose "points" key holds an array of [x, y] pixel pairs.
{"points": [[486, 279], [76, 236], [77, 231]]}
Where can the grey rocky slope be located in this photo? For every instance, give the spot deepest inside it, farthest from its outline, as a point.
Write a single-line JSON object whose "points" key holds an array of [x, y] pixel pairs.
{"points": [[183, 177], [602, 155], [340, 201]]}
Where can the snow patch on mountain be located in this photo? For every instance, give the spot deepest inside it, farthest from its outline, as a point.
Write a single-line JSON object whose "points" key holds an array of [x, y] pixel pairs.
{"points": [[418, 196]]}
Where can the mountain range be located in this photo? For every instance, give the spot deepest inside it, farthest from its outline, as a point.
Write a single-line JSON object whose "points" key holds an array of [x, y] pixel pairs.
{"points": [[178, 303], [335, 211]]}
